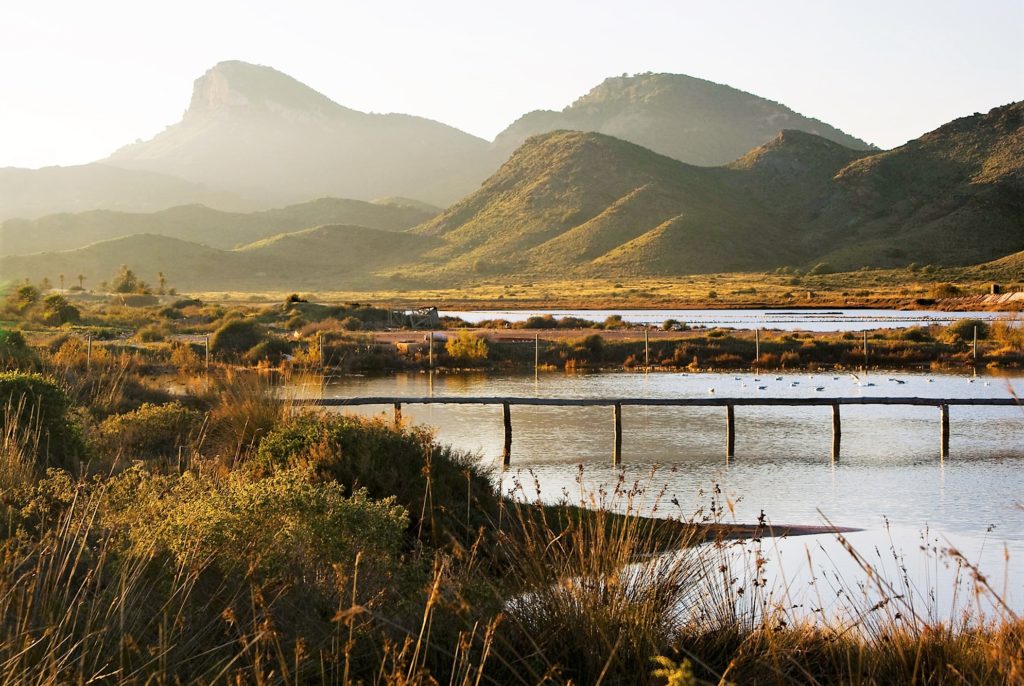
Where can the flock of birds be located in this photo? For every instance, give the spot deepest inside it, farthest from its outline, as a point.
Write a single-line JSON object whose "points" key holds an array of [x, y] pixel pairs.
{"points": [[763, 386]]}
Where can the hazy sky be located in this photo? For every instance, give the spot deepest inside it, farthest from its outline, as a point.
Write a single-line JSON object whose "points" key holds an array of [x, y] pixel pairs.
{"points": [[79, 79]]}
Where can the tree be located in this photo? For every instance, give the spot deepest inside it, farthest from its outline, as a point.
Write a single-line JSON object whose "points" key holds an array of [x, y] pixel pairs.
{"points": [[61, 283], [127, 281], [81, 282], [57, 310], [23, 298], [163, 283]]}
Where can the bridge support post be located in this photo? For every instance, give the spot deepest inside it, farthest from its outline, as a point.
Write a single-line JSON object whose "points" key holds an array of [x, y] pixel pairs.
{"points": [[944, 409], [617, 449], [837, 431], [506, 453], [730, 430]]}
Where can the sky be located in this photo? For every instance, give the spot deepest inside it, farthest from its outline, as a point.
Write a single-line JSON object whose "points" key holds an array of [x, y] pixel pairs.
{"points": [[80, 79]]}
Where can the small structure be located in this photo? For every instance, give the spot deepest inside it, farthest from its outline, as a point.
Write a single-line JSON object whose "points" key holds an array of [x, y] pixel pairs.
{"points": [[995, 289], [424, 318]]}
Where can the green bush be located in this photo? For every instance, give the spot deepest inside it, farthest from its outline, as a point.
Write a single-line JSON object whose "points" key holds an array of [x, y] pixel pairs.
{"points": [[35, 411], [282, 524], [385, 460], [236, 337], [964, 329], [15, 352], [57, 310], [467, 347], [148, 432], [271, 350]]}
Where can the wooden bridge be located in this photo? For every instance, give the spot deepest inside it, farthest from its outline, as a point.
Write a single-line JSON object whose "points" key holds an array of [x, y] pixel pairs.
{"points": [[730, 405]]}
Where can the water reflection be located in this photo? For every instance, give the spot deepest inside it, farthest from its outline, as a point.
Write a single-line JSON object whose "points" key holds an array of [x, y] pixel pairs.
{"points": [[890, 467]]}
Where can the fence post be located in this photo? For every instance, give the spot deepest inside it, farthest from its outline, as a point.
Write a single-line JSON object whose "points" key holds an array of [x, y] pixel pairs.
{"points": [[207, 343], [430, 350], [944, 410], [506, 453], [617, 450], [730, 430], [837, 431], [88, 353], [398, 415]]}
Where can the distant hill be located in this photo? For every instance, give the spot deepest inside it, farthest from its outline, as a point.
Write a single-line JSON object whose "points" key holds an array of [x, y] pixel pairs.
{"points": [[571, 204], [203, 225], [323, 257], [570, 201], [588, 204], [686, 118], [953, 196], [259, 133], [31, 193]]}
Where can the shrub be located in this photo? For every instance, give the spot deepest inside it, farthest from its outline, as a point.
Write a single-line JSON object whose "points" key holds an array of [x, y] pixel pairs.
{"points": [[14, 350], [23, 298], [57, 310], [944, 290], [386, 460], [35, 412], [272, 350], [235, 337], [126, 281], [351, 324], [540, 322], [821, 268], [964, 329], [184, 357], [152, 333], [467, 347], [670, 325], [150, 431], [614, 321]]}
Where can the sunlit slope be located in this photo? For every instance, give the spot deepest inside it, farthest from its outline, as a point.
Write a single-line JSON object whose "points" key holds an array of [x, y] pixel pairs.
{"points": [[689, 119]]}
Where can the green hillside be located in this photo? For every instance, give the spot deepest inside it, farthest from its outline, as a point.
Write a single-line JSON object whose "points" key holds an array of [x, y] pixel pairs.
{"points": [[686, 118], [201, 224], [592, 205]]}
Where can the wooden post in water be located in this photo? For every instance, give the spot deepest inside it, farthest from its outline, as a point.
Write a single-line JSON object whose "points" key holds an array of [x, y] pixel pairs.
{"points": [[647, 348], [617, 450], [536, 353], [730, 430], [430, 352], [945, 430], [757, 344], [837, 431], [865, 350], [974, 346], [506, 453], [398, 415]]}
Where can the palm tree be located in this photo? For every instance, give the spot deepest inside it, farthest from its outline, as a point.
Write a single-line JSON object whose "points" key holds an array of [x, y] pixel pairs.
{"points": [[81, 281], [163, 282], [61, 283]]}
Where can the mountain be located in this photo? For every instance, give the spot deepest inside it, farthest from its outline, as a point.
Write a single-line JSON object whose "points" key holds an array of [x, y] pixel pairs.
{"points": [[201, 224], [570, 203], [324, 257], [954, 196], [32, 193], [261, 134], [686, 118]]}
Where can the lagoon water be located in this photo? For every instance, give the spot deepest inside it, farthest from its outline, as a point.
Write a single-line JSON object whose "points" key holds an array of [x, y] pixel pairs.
{"points": [[889, 480], [787, 320]]}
